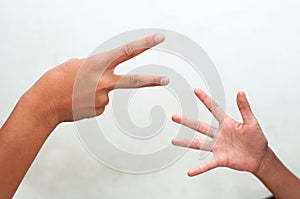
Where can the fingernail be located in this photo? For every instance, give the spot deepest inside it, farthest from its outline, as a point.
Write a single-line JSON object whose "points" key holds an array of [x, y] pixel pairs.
{"points": [[164, 81], [159, 38]]}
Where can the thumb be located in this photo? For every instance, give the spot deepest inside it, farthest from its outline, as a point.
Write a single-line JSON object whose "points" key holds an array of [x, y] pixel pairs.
{"points": [[211, 164], [244, 107]]}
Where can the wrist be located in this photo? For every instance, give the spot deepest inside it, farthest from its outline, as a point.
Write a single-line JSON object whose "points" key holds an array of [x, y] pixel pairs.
{"points": [[50, 98], [38, 110], [265, 168]]}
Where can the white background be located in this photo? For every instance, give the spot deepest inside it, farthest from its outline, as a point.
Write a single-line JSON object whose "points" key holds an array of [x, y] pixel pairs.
{"points": [[254, 44]]}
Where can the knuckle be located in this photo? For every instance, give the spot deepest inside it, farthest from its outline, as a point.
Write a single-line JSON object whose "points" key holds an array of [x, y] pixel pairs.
{"points": [[214, 108], [101, 101], [73, 60], [213, 132], [99, 111], [198, 126], [105, 84], [128, 49], [135, 81], [148, 42], [192, 123], [105, 100], [206, 99]]}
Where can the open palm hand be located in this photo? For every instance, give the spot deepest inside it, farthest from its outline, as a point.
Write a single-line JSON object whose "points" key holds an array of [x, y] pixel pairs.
{"points": [[240, 146]]}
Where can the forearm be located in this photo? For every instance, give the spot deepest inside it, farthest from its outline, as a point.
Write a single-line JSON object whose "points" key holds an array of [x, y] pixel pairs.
{"points": [[277, 178], [21, 138]]}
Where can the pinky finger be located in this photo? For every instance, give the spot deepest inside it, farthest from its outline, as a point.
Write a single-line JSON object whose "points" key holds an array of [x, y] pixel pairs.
{"points": [[203, 168]]}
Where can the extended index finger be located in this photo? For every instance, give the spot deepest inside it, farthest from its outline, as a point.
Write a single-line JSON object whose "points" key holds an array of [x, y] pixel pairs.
{"points": [[134, 48]]}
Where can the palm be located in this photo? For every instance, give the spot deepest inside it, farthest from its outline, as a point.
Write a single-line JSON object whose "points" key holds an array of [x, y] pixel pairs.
{"points": [[239, 146]]}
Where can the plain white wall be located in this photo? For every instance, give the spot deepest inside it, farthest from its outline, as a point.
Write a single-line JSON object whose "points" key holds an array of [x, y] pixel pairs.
{"points": [[254, 44]]}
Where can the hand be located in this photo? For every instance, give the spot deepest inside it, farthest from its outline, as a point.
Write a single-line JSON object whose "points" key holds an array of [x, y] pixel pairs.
{"points": [[51, 101], [240, 146], [94, 78]]}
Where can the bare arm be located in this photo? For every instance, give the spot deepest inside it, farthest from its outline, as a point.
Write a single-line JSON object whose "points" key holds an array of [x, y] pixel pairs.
{"points": [[49, 102], [277, 177], [240, 146]]}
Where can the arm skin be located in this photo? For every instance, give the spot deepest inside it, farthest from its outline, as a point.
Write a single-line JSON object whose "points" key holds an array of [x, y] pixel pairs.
{"points": [[49, 102], [240, 146]]}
